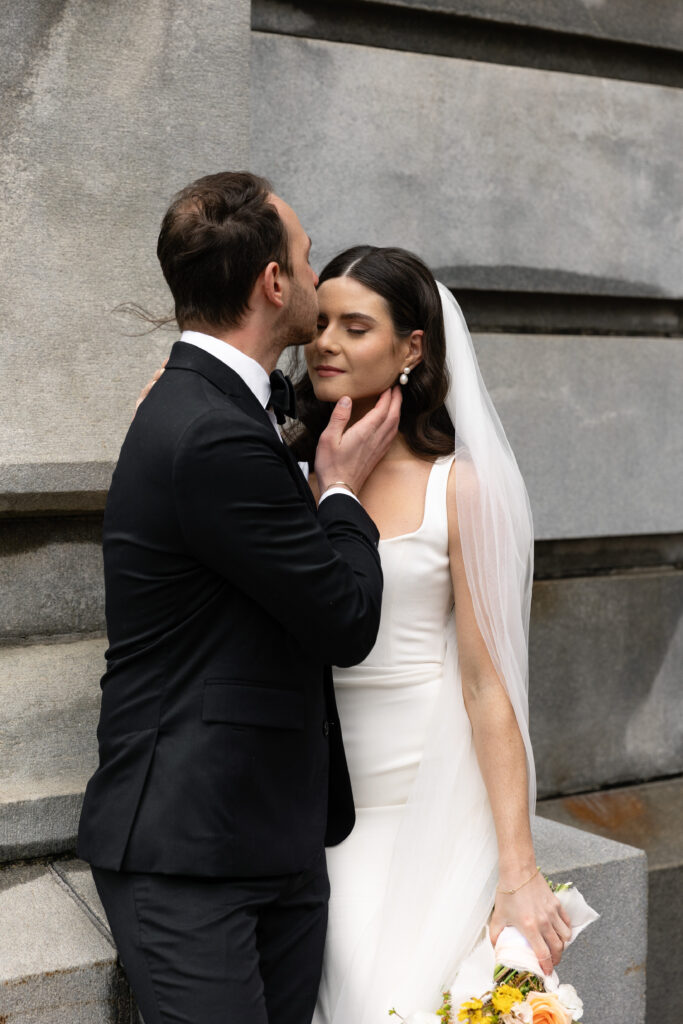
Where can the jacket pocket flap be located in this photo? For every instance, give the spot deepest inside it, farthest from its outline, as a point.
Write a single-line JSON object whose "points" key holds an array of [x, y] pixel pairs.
{"points": [[252, 704]]}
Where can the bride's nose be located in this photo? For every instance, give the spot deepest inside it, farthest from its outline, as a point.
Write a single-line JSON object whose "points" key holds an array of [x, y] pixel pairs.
{"points": [[326, 340]]}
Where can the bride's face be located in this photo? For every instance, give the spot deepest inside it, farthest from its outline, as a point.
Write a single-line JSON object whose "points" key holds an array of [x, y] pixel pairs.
{"points": [[356, 351]]}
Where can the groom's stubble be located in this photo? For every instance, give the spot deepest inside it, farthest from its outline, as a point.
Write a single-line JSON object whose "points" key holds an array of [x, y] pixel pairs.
{"points": [[299, 323]]}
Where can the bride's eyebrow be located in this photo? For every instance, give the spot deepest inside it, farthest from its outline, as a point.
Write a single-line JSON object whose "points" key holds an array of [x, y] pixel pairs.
{"points": [[358, 316]]}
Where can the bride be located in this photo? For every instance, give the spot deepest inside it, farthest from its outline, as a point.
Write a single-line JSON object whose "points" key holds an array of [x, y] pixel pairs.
{"points": [[435, 720]]}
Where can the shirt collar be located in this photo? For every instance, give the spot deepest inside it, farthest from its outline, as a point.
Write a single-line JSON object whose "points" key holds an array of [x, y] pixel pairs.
{"points": [[251, 372]]}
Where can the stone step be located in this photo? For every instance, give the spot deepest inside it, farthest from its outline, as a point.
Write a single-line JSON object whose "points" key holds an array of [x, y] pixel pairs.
{"points": [[607, 962], [49, 707], [650, 817], [57, 962], [51, 579]]}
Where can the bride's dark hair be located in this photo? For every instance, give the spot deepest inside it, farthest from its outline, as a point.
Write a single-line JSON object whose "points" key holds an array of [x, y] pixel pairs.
{"points": [[408, 287]]}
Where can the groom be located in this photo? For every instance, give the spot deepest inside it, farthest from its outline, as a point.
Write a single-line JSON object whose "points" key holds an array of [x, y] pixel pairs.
{"points": [[222, 772]]}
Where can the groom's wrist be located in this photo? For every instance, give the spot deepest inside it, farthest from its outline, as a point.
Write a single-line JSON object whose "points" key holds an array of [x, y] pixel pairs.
{"points": [[338, 487]]}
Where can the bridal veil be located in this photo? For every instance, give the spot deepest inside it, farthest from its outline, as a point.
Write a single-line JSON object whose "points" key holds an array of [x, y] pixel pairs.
{"points": [[442, 879]]}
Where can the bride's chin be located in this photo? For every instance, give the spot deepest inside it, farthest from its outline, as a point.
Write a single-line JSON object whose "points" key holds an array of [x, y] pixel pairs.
{"points": [[328, 391]]}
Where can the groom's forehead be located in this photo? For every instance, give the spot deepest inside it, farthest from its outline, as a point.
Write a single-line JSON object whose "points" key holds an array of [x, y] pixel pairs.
{"points": [[288, 217]]}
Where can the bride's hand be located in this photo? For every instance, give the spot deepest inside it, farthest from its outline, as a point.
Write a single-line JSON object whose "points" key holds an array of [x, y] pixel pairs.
{"points": [[537, 914], [149, 385]]}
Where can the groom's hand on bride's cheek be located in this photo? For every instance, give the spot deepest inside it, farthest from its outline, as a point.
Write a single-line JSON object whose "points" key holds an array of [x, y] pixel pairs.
{"points": [[350, 454]]}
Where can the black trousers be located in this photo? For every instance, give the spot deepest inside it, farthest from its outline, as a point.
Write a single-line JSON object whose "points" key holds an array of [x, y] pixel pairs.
{"points": [[217, 950]]}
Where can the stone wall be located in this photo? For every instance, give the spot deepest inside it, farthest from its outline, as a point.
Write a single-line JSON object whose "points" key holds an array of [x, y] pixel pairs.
{"points": [[529, 152], [108, 110]]}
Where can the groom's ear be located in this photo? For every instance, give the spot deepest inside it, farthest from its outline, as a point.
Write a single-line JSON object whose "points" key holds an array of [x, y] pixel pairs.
{"points": [[273, 284]]}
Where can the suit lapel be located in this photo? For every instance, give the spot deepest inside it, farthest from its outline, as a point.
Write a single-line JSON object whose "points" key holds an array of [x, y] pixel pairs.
{"points": [[189, 357]]}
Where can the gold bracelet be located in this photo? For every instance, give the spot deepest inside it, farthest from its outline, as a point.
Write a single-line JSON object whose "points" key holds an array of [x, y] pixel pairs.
{"points": [[340, 483], [511, 892]]}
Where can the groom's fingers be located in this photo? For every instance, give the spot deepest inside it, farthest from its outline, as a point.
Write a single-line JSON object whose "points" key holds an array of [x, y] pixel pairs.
{"points": [[341, 415], [351, 454], [378, 427], [386, 431]]}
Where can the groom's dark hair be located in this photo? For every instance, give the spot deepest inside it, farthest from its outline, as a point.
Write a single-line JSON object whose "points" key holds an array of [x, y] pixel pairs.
{"points": [[217, 236]]}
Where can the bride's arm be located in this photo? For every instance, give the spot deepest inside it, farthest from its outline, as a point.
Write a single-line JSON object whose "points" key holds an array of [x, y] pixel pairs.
{"points": [[533, 909]]}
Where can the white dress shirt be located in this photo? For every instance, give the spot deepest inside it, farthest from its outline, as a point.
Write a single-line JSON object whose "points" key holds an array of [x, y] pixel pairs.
{"points": [[256, 379]]}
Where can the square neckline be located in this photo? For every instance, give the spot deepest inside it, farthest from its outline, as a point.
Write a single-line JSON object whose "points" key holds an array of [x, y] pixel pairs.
{"points": [[414, 533]]}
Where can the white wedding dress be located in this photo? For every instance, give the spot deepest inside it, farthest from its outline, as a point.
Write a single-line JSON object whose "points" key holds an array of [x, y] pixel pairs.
{"points": [[387, 706]]}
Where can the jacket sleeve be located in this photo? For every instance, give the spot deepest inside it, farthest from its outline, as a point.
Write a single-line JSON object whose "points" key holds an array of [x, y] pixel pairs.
{"points": [[243, 516]]}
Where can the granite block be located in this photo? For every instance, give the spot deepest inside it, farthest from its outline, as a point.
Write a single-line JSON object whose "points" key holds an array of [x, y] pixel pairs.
{"points": [[472, 164], [649, 817], [49, 708], [596, 424], [51, 576], [607, 962], [108, 109], [628, 21], [56, 965], [606, 702]]}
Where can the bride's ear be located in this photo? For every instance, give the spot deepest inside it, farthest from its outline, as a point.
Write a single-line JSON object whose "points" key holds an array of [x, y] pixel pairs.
{"points": [[414, 355]]}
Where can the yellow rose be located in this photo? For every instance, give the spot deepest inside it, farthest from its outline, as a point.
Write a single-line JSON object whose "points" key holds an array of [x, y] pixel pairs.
{"points": [[547, 1009]]}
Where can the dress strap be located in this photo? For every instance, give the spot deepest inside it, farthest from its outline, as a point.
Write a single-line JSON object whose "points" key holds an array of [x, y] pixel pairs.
{"points": [[436, 510]]}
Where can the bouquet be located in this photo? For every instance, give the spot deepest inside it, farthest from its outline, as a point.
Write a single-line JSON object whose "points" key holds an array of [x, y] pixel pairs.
{"points": [[510, 984]]}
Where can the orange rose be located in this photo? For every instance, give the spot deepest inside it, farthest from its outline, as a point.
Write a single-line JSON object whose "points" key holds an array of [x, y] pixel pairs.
{"points": [[547, 1009]]}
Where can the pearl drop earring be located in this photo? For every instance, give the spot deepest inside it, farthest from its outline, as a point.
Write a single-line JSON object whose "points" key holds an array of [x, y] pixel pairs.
{"points": [[403, 379]]}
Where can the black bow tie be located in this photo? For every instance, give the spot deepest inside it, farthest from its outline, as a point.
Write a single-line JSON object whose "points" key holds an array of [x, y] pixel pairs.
{"points": [[282, 398]]}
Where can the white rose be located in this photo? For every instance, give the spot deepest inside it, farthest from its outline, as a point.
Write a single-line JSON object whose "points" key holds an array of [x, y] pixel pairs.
{"points": [[521, 1013], [570, 999]]}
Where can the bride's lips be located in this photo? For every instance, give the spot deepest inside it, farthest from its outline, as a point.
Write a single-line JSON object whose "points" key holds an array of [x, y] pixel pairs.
{"points": [[327, 371]]}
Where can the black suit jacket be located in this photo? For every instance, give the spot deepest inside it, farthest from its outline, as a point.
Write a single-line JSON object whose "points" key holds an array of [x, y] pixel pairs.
{"points": [[227, 596]]}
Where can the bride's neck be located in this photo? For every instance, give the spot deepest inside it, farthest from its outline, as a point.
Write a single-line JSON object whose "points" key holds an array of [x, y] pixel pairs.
{"points": [[398, 449]]}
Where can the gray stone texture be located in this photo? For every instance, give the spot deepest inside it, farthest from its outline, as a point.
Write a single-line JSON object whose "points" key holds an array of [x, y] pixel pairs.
{"points": [[49, 708], [56, 964], [51, 579], [108, 109], [629, 21], [472, 163], [597, 428], [606, 964], [605, 688], [54, 487], [648, 817]]}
